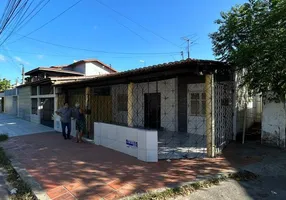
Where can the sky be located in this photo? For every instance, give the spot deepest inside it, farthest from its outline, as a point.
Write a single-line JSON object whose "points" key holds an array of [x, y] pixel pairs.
{"points": [[125, 34]]}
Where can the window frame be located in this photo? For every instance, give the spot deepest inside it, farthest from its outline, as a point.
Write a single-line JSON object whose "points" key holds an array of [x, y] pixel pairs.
{"points": [[200, 101]]}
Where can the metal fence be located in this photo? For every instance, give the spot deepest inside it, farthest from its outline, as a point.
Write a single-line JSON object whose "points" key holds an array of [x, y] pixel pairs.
{"points": [[176, 107]]}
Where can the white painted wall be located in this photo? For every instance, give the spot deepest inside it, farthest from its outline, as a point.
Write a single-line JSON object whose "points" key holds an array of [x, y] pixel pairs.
{"points": [[94, 68], [168, 91], [90, 68], [123, 139], [273, 124]]}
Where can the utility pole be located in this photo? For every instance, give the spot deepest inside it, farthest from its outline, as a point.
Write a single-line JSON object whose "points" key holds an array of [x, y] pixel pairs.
{"points": [[188, 48], [23, 74]]}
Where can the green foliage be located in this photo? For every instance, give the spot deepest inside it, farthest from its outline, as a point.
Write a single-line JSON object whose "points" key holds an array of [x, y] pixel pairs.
{"points": [[252, 36], [3, 137], [4, 84]]}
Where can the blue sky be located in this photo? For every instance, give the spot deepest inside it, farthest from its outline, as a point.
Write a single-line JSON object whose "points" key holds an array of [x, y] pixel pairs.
{"points": [[90, 25]]}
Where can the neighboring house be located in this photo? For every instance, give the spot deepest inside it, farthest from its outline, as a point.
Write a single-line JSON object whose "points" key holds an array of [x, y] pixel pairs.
{"points": [[38, 96], [90, 67], [182, 100], [274, 124]]}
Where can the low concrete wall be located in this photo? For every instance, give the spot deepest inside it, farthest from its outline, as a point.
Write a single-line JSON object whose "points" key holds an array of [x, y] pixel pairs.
{"points": [[274, 124], [140, 143]]}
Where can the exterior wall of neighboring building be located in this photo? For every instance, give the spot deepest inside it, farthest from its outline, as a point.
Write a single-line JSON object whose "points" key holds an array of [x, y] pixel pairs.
{"points": [[93, 68], [254, 107], [274, 124], [11, 101], [90, 69], [24, 103], [8, 105], [78, 68]]}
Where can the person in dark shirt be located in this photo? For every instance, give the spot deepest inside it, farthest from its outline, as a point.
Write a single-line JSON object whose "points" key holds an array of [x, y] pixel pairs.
{"points": [[80, 123], [65, 113]]}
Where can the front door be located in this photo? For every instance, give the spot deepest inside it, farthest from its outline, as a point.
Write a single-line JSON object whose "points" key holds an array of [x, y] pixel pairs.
{"points": [[47, 110], [152, 108]]}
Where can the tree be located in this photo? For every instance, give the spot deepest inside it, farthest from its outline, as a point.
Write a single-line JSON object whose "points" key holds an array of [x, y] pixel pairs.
{"points": [[252, 37], [4, 84]]}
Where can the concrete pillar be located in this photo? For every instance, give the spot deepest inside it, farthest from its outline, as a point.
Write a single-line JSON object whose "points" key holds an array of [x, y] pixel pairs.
{"points": [[55, 105], [87, 107], [209, 90], [130, 104], [234, 103]]}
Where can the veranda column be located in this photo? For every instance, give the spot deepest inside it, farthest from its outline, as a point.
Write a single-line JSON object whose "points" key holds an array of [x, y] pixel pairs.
{"points": [[130, 104], [87, 107], [209, 90]]}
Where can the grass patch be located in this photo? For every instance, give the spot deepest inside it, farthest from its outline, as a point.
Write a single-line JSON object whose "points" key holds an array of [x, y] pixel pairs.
{"points": [[188, 189], [23, 190], [3, 137]]}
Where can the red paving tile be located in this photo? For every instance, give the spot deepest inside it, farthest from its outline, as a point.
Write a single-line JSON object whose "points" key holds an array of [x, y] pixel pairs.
{"points": [[65, 197], [56, 192], [88, 171], [112, 196]]}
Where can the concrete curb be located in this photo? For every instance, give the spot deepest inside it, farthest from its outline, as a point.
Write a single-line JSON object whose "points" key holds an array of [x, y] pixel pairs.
{"points": [[197, 180], [27, 178]]}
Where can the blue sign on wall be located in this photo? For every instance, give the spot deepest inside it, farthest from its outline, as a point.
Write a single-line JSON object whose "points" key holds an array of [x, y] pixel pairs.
{"points": [[131, 143]]}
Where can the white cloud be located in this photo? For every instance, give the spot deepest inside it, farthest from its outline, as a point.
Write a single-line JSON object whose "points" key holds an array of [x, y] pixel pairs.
{"points": [[40, 56], [2, 58], [20, 60]]}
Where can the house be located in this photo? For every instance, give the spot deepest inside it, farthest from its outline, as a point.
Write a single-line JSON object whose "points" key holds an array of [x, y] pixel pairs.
{"points": [[37, 98], [185, 108]]}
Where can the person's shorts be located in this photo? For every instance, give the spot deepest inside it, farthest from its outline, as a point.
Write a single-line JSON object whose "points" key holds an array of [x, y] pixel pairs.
{"points": [[80, 126]]}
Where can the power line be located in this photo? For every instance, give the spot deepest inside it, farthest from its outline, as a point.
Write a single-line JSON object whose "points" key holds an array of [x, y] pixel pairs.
{"points": [[130, 29], [51, 20], [73, 56], [15, 12], [11, 60], [147, 29], [96, 51], [33, 14]]}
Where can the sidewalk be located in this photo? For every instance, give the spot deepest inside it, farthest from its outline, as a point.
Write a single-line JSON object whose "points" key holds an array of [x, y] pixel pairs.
{"points": [[66, 169], [14, 126]]}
